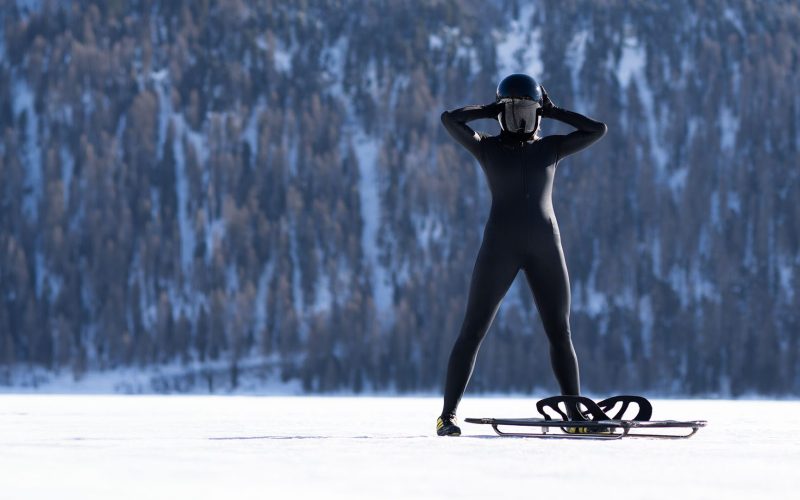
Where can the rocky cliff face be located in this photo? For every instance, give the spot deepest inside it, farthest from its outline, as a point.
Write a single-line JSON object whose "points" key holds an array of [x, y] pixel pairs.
{"points": [[249, 191]]}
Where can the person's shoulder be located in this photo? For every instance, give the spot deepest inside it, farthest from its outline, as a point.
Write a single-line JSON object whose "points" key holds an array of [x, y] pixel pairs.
{"points": [[550, 140], [485, 137], [551, 144]]}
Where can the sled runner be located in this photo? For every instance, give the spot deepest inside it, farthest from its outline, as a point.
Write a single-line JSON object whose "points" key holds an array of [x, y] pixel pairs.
{"points": [[592, 420]]}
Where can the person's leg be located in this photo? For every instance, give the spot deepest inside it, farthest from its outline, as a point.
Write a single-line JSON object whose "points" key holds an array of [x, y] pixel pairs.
{"points": [[546, 273], [494, 271]]}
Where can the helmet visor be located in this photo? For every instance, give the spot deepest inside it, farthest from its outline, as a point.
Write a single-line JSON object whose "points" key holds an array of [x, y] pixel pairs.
{"points": [[519, 115]]}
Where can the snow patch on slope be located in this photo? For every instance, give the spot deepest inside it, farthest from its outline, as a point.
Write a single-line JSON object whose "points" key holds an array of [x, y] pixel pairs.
{"points": [[713, 209], [735, 19], [691, 285], [428, 229], [728, 128], [785, 276], [575, 56], [323, 298], [250, 133], [166, 115], [333, 58], [646, 319], [677, 181], [366, 149], [587, 298], [435, 42], [297, 292], [632, 61], [22, 99], [631, 69], [67, 169], [519, 47]]}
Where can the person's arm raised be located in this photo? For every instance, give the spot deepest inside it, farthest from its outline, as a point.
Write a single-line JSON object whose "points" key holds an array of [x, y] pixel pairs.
{"points": [[455, 122], [588, 131]]}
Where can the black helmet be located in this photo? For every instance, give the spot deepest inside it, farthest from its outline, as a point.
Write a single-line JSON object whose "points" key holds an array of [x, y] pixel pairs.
{"points": [[522, 98], [519, 86]]}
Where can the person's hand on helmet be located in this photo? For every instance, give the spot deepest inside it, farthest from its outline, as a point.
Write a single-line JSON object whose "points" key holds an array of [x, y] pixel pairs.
{"points": [[547, 104], [495, 107]]}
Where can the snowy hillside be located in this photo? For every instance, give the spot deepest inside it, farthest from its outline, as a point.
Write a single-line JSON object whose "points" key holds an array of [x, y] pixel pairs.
{"points": [[226, 192], [132, 447]]}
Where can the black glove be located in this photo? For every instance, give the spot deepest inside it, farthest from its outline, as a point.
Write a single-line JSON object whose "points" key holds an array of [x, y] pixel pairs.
{"points": [[547, 104], [494, 108]]}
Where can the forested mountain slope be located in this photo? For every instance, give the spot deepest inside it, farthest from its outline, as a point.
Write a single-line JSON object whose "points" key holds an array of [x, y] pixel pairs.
{"points": [[237, 190]]}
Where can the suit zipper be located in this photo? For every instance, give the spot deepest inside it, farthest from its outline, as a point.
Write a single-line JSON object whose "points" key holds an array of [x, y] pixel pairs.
{"points": [[525, 203]]}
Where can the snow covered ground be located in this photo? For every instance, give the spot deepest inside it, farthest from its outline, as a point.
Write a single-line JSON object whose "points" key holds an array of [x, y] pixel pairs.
{"points": [[80, 446]]}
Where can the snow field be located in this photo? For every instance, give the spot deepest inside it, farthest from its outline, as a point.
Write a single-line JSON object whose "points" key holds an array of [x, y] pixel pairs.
{"points": [[70, 446]]}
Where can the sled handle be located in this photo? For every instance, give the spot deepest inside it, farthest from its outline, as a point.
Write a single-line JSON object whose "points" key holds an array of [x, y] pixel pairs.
{"points": [[645, 408], [592, 409]]}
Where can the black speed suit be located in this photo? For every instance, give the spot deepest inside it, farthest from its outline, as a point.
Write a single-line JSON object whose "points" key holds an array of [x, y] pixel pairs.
{"points": [[521, 233]]}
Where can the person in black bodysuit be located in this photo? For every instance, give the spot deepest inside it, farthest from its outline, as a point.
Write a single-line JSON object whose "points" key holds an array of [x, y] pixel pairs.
{"points": [[520, 233]]}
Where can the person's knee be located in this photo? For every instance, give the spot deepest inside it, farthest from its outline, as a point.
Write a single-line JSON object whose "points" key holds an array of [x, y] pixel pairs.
{"points": [[475, 327], [468, 339]]}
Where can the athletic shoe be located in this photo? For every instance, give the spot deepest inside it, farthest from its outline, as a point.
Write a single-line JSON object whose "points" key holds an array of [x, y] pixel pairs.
{"points": [[446, 426]]}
